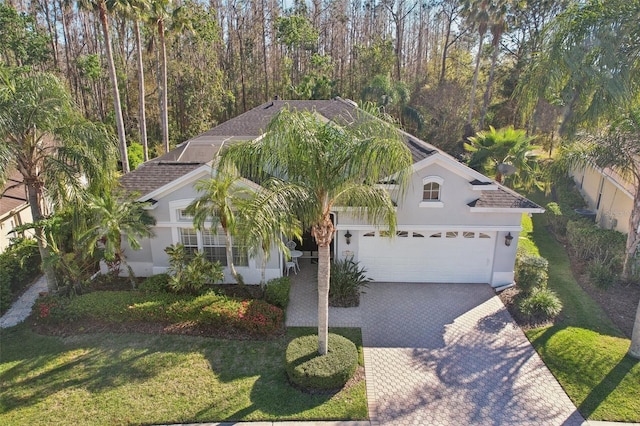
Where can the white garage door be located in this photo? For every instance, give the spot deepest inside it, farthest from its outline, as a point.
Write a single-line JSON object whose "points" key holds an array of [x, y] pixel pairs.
{"points": [[428, 256]]}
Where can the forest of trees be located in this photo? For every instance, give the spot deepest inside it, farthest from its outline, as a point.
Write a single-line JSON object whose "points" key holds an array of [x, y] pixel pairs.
{"points": [[417, 59]]}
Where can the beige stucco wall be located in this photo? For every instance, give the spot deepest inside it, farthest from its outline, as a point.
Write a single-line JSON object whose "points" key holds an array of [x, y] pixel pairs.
{"points": [[19, 216], [616, 202]]}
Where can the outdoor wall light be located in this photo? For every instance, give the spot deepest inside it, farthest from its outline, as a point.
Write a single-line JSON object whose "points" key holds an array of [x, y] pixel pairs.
{"points": [[507, 239], [347, 236]]}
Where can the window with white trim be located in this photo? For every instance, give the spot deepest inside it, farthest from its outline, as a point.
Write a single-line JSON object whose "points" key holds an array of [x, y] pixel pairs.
{"points": [[182, 215], [189, 239], [212, 245], [432, 192]]}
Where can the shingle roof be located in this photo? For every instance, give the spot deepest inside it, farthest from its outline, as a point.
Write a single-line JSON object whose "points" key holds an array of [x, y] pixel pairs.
{"points": [[155, 174], [503, 198], [13, 194], [200, 150]]}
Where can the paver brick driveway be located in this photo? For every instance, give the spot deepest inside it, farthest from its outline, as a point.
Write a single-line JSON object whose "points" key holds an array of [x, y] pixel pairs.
{"points": [[450, 354], [443, 354]]}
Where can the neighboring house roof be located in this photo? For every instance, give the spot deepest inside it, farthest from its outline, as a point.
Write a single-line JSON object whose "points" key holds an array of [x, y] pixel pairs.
{"points": [[188, 156], [13, 195]]}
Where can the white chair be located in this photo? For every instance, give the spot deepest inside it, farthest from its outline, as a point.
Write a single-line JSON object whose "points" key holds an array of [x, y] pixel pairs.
{"points": [[291, 245], [291, 265]]}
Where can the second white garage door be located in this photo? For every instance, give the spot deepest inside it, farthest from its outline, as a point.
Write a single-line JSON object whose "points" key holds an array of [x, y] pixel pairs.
{"points": [[428, 256]]}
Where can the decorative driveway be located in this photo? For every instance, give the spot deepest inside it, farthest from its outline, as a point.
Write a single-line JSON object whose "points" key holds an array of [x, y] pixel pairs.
{"points": [[443, 354]]}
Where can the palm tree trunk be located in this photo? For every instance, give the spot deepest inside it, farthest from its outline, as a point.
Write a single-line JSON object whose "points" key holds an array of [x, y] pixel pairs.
{"points": [[229, 249], [164, 113], [487, 91], [116, 92], [323, 235], [475, 81], [634, 349], [324, 271], [142, 115], [633, 238], [34, 193]]}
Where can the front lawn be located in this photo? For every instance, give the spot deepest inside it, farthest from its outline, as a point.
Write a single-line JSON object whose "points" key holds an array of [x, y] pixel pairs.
{"points": [[108, 378], [584, 349]]}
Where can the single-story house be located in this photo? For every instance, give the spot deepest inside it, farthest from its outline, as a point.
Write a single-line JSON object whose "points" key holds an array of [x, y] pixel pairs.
{"points": [[608, 194], [14, 208], [455, 225]]}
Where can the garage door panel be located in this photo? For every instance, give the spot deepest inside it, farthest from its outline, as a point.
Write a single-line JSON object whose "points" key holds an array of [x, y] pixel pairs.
{"points": [[408, 259]]}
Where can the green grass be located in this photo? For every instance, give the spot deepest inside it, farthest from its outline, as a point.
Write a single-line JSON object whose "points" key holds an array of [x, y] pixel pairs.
{"points": [[585, 350], [157, 379]]}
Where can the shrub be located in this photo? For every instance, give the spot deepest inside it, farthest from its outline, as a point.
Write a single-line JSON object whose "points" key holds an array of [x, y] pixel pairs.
{"points": [[346, 282], [556, 220], [601, 274], [589, 242], [210, 309], [307, 369], [155, 284], [258, 316], [19, 265], [190, 274], [277, 292], [542, 304], [531, 271]]}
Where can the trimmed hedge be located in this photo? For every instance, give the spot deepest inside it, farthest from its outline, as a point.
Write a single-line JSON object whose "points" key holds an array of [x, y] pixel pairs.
{"points": [[155, 284], [308, 370], [19, 265], [531, 271], [277, 292], [253, 316]]}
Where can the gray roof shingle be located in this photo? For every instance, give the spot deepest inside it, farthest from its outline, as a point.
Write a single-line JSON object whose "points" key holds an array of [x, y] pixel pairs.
{"points": [[200, 150], [503, 198]]}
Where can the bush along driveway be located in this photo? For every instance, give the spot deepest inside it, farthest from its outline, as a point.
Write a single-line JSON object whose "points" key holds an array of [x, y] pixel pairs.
{"points": [[584, 349]]}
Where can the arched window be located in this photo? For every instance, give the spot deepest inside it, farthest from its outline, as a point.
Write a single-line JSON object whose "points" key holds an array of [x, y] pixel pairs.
{"points": [[432, 191]]}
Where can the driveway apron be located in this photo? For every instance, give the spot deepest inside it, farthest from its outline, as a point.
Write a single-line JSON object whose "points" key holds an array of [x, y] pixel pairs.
{"points": [[443, 354]]}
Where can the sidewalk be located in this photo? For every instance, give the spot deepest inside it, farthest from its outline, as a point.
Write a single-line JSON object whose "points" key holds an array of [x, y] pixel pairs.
{"points": [[21, 309]]}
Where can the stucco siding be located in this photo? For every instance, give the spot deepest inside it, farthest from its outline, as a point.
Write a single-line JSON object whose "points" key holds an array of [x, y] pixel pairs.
{"points": [[607, 197]]}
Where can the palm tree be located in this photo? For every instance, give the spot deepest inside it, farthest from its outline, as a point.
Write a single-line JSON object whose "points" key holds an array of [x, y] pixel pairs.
{"points": [[498, 26], [477, 13], [104, 7], [223, 193], [263, 223], [158, 15], [317, 166], [617, 148], [587, 64], [59, 154], [489, 150], [134, 9], [111, 216]]}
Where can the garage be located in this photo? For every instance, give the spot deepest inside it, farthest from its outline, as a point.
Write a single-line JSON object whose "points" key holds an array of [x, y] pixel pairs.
{"points": [[444, 256]]}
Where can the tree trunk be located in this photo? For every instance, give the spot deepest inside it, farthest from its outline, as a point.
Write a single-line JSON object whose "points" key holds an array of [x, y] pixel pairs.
{"points": [[229, 249], [475, 81], [487, 91], [34, 193], [116, 93], [634, 349], [633, 237], [142, 116], [323, 235], [164, 113]]}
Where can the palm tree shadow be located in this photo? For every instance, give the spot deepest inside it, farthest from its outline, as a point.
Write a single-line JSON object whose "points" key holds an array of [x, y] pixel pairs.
{"points": [[607, 385]]}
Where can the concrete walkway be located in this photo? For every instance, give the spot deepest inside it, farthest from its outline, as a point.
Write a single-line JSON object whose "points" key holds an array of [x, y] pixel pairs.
{"points": [[443, 354], [21, 309]]}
